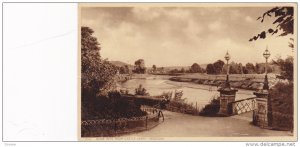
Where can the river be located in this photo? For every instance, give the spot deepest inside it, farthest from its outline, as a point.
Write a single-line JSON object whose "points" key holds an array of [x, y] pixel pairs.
{"points": [[194, 93]]}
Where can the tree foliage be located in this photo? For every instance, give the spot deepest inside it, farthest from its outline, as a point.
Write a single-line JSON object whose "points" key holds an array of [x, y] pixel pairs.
{"points": [[250, 68], [215, 68], [124, 69], [154, 68], [139, 66], [210, 69], [284, 21], [141, 91], [182, 70], [173, 71], [282, 101], [234, 68], [218, 66], [96, 73], [98, 96], [195, 68], [287, 68], [111, 107], [261, 67]]}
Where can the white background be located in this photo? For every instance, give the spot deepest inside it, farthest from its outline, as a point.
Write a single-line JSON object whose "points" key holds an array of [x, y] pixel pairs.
{"points": [[40, 75], [40, 72]]}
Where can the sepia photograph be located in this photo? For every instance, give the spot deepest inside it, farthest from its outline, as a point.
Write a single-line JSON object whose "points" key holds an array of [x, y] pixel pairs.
{"points": [[187, 71]]}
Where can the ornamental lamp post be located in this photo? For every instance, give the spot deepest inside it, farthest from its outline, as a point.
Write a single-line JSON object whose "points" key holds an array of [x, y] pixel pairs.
{"points": [[227, 58], [266, 54], [263, 100], [227, 94]]}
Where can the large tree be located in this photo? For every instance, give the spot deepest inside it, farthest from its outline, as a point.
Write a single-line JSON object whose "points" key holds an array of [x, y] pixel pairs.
{"points": [[99, 100], [210, 69], [96, 74], [250, 68], [218, 65], [124, 69], [139, 66], [234, 68], [195, 68]]}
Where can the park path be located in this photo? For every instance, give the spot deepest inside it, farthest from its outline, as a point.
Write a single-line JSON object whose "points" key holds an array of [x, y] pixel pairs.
{"points": [[183, 125]]}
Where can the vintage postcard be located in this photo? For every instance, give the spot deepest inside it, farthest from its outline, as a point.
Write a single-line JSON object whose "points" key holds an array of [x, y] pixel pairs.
{"points": [[187, 72]]}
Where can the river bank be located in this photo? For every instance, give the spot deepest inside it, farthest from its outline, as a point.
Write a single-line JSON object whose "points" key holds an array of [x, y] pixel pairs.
{"points": [[248, 82], [240, 81]]}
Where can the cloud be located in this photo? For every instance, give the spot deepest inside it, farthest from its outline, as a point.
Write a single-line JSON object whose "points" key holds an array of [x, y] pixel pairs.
{"points": [[178, 14], [249, 19], [193, 30], [146, 13], [235, 14], [171, 36], [215, 26]]}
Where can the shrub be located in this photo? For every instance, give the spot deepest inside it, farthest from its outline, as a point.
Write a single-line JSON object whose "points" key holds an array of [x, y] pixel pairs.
{"points": [[111, 107], [181, 107], [282, 103], [178, 96], [141, 91], [178, 104], [126, 91], [167, 95], [212, 108]]}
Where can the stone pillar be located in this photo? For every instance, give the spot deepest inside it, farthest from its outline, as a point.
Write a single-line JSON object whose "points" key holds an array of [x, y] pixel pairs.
{"points": [[260, 114], [227, 96]]}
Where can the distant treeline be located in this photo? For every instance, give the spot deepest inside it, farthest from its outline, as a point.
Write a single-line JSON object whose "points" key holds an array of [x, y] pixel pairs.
{"points": [[218, 67]]}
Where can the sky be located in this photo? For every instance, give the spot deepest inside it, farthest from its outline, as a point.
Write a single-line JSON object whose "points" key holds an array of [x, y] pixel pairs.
{"points": [[181, 36]]}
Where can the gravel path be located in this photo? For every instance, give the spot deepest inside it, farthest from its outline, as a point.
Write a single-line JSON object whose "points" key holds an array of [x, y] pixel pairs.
{"points": [[183, 125]]}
